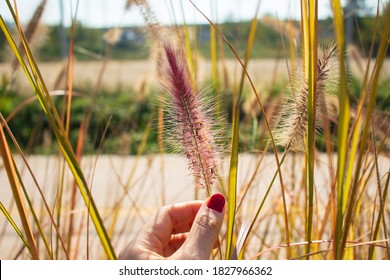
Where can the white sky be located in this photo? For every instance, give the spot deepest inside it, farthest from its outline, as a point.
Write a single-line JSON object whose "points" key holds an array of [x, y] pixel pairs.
{"points": [[111, 13]]}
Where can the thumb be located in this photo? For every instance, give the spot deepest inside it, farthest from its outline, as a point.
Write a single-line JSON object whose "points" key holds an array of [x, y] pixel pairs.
{"points": [[205, 229]]}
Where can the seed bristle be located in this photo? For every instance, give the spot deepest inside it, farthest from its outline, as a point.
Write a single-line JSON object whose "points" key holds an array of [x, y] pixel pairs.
{"points": [[291, 129]]}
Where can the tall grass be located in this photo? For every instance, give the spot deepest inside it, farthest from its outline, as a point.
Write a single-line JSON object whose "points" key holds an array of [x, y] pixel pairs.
{"points": [[32, 72], [314, 188]]}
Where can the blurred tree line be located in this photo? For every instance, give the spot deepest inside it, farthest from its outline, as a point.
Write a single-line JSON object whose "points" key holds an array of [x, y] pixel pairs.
{"points": [[132, 43], [119, 117]]}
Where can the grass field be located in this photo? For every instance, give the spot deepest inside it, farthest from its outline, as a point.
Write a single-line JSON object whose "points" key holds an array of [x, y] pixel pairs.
{"points": [[133, 73]]}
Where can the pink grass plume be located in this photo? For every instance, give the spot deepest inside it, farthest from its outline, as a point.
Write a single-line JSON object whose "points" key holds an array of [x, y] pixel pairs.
{"points": [[191, 126]]}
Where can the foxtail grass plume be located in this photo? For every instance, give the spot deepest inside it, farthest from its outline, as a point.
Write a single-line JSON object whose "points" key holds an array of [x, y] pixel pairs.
{"points": [[154, 27], [291, 129], [192, 128]]}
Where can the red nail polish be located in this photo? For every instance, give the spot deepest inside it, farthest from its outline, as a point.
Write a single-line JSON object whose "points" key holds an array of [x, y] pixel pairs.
{"points": [[216, 202]]}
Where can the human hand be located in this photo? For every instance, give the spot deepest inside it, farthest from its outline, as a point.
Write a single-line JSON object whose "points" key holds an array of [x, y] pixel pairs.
{"points": [[186, 231]]}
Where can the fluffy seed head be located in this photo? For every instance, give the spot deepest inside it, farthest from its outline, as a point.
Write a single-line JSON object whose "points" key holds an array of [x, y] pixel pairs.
{"points": [[291, 128], [192, 126]]}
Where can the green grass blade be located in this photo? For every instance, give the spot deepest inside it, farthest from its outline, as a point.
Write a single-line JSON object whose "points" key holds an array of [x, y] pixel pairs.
{"points": [[15, 226], [232, 191], [35, 217], [249, 47], [243, 65], [305, 37], [18, 55], [16, 192], [381, 55], [4, 122], [214, 70], [356, 128], [189, 51], [343, 126], [311, 109], [39, 87]]}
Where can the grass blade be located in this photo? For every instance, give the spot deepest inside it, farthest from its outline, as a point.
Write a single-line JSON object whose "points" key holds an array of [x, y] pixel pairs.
{"points": [[261, 206], [214, 68], [15, 226], [17, 194], [373, 85], [48, 106], [189, 51], [311, 21], [244, 69], [232, 190], [49, 251], [343, 126], [129, 181], [382, 196]]}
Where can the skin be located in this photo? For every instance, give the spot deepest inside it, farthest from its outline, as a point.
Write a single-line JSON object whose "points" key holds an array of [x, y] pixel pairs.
{"points": [[186, 231]]}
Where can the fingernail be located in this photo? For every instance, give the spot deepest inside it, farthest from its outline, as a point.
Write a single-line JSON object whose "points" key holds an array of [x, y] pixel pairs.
{"points": [[216, 202]]}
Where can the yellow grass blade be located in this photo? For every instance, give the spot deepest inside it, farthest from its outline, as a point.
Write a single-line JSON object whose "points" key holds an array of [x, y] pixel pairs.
{"points": [[243, 65], [189, 51], [40, 88], [17, 194], [66, 119], [35, 217], [14, 225], [232, 189], [343, 126], [38, 224], [70, 77], [261, 207], [292, 45], [140, 151], [310, 54], [357, 124], [305, 37], [373, 84], [214, 70], [249, 47]]}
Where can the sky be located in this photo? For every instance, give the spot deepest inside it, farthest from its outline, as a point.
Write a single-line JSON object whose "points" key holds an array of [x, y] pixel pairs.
{"points": [[111, 13]]}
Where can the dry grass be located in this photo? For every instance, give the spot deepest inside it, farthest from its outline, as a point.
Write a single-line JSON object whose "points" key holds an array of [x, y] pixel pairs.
{"points": [[145, 197]]}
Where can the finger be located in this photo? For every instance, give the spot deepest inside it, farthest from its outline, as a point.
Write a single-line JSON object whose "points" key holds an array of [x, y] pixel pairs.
{"points": [[183, 227], [156, 234], [174, 244], [204, 232], [170, 219]]}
